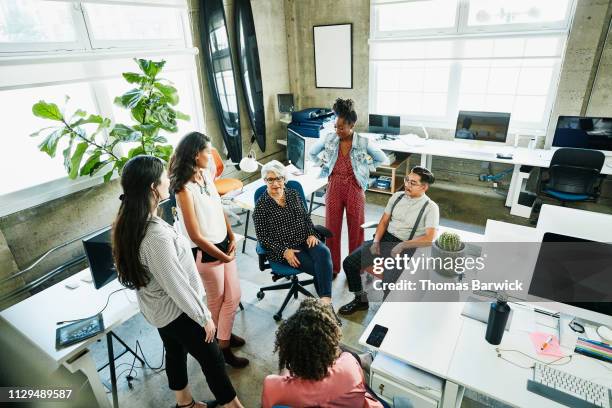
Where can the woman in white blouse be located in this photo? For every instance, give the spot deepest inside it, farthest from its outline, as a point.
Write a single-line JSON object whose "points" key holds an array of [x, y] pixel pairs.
{"points": [[201, 219], [154, 259]]}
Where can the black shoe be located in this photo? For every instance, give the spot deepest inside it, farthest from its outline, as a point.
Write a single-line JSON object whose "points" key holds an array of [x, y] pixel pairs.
{"points": [[355, 305], [236, 341], [234, 360]]}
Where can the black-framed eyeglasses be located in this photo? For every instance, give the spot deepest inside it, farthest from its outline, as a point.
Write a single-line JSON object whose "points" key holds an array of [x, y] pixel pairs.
{"points": [[412, 182], [272, 180]]}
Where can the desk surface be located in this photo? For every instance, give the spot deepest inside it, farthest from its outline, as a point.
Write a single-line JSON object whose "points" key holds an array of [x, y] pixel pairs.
{"points": [[471, 151], [310, 182], [36, 316]]}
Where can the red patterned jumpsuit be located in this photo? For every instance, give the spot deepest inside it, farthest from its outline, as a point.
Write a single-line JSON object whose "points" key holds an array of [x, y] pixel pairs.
{"points": [[344, 192]]}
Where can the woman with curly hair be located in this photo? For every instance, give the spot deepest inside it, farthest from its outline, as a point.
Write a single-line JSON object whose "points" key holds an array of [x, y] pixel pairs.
{"points": [[201, 219], [314, 371], [347, 159]]}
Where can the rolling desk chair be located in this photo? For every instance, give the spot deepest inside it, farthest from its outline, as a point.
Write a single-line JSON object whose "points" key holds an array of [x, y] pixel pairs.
{"points": [[573, 175], [281, 270]]}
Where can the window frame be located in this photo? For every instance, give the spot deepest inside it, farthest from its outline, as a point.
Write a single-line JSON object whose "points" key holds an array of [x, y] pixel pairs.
{"points": [[449, 120], [91, 65]]}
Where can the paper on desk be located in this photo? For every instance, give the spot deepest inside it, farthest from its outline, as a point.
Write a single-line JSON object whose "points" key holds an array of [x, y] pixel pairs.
{"points": [[553, 350], [524, 319]]}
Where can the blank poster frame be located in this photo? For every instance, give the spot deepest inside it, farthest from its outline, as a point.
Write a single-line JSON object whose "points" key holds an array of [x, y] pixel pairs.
{"points": [[333, 55]]}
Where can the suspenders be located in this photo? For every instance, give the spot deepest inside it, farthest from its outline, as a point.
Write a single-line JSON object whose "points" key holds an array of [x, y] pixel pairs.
{"points": [[418, 220]]}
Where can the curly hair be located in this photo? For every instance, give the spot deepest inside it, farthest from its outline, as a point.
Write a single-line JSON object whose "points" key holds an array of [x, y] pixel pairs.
{"points": [[345, 109], [182, 164], [308, 342]]}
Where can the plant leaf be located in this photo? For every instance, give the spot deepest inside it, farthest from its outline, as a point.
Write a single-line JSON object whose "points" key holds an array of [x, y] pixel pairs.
{"points": [[108, 175], [90, 163], [49, 144], [67, 152], [75, 161], [41, 130], [182, 116], [163, 152], [99, 166], [150, 68], [134, 78], [135, 152], [90, 119], [131, 98], [125, 133], [170, 93], [46, 110]]}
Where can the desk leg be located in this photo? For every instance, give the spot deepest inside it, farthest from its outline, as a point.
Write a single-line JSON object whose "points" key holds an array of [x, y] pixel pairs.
{"points": [[312, 196], [426, 160], [111, 362], [85, 364], [453, 394], [513, 184], [246, 230]]}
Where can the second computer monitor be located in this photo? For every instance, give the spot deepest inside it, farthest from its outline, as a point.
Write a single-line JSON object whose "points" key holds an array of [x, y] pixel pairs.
{"points": [[584, 133], [385, 124], [296, 149], [100, 256], [483, 126]]}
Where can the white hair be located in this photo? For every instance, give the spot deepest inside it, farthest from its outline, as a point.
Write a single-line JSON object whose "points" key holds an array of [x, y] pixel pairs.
{"points": [[276, 167]]}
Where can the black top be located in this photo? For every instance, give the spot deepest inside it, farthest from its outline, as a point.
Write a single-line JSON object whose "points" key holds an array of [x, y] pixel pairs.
{"points": [[279, 228]]}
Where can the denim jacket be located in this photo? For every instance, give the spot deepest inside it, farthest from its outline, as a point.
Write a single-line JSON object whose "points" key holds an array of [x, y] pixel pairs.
{"points": [[364, 157]]}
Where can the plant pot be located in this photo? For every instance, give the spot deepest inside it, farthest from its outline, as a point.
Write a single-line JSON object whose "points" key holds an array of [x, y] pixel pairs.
{"points": [[445, 268]]}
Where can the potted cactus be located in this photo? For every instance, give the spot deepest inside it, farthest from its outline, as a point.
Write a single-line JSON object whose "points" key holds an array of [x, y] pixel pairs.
{"points": [[447, 247]]}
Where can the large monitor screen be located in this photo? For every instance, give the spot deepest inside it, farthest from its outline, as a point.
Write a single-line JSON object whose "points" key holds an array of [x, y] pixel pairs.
{"points": [[584, 133], [296, 149], [484, 126], [574, 271]]}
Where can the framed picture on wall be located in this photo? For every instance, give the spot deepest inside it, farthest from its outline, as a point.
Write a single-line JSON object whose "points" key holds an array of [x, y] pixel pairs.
{"points": [[333, 54]]}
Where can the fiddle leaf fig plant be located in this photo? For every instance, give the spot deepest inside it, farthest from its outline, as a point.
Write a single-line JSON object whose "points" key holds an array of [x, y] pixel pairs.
{"points": [[151, 104]]}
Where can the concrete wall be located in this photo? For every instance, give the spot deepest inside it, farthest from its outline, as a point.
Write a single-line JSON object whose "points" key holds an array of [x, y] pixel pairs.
{"points": [[269, 17]]}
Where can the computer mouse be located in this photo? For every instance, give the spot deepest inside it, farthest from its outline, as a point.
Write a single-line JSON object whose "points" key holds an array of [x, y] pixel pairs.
{"points": [[605, 333]]}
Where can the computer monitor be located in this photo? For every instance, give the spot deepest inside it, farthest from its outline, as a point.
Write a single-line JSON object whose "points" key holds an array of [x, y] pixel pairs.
{"points": [[577, 274], [100, 256], [384, 124], [583, 132], [482, 126], [296, 149], [285, 103]]}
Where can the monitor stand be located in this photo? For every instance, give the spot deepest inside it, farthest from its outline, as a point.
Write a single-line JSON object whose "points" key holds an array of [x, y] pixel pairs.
{"points": [[295, 171]]}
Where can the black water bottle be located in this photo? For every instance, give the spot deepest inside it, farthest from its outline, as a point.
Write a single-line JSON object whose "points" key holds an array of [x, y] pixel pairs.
{"points": [[498, 317]]}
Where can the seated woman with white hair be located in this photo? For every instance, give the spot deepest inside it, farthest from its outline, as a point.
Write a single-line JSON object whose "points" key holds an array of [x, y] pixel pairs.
{"points": [[285, 230]]}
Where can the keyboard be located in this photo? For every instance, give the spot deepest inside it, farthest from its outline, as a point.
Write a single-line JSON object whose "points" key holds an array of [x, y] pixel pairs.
{"points": [[567, 389]]}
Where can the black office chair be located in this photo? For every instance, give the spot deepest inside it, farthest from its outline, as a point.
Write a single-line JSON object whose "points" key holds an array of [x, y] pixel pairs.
{"points": [[574, 175], [282, 270]]}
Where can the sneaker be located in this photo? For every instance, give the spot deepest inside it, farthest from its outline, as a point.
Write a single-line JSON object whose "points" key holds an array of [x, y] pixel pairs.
{"points": [[353, 306]]}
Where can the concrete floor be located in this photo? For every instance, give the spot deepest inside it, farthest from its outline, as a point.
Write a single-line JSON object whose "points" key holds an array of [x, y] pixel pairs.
{"points": [[257, 326]]}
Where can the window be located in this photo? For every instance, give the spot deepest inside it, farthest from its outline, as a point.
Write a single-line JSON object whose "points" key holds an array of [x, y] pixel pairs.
{"points": [[501, 56], [57, 48]]}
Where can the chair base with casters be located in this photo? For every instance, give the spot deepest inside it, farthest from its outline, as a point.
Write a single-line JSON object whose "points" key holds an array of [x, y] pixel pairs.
{"points": [[280, 271]]}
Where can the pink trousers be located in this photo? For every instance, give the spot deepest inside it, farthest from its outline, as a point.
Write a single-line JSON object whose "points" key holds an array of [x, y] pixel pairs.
{"points": [[222, 287]]}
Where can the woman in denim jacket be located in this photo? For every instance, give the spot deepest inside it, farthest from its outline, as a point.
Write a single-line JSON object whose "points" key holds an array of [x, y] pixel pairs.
{"points": [[347, 159]]}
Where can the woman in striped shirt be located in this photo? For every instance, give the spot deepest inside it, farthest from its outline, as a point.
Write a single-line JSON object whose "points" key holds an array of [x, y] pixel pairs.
{"points": [[157, 262]]}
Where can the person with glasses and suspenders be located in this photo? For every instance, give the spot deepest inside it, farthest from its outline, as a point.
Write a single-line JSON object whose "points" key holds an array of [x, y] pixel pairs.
{"points": [[410, 220]]}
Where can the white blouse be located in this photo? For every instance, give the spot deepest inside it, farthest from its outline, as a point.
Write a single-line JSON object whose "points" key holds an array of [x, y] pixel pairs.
{"points": [[208, 211]]}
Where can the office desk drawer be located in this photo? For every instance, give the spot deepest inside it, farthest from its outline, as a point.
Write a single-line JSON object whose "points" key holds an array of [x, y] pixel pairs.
{"points": [[387, 389]]}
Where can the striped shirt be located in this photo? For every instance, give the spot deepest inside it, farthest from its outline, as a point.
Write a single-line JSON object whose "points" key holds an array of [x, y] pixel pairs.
{"points": [[175, 286]]}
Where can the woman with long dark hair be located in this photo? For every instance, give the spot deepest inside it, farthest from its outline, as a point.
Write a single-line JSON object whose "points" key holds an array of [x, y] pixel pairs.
{"points": [[157, 262], [201, 219], [347, 158]]}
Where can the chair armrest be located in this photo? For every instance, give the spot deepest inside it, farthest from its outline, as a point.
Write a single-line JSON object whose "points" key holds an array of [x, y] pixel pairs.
{"points": [[369, 224], [324, 232]]}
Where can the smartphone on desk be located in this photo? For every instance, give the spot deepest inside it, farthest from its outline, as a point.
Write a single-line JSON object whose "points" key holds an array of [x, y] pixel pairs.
{"points": [[377, 335]]}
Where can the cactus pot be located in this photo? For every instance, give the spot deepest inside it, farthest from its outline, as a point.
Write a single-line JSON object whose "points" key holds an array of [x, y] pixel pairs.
{"points": [[438, 252]]}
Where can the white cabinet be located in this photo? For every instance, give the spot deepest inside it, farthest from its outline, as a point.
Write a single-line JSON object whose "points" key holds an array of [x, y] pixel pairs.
{"points": [[391, 378]]}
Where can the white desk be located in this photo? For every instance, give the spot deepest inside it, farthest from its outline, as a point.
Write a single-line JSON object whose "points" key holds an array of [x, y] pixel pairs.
{"points": [[310, 182], [434, 337], [35, 318], [428, 148], [594, 226]]}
